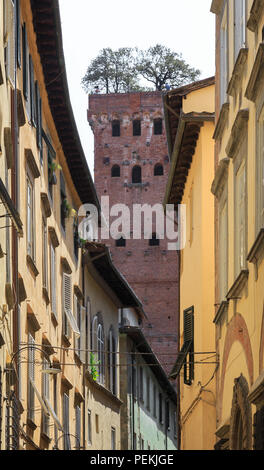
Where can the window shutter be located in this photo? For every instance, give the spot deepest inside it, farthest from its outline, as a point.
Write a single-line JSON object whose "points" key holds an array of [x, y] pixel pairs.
{"points": [[78, 427], [32, 93], [31, 375], [25, 63], [77, 318], [18, 34], [38, 116], [188, 325], [67, 443], [83, 335], [11, 44], [67, 296], [53, 279]]}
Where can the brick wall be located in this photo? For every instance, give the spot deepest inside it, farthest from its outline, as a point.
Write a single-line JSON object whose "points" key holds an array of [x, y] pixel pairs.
{"points": [[151, 271]]}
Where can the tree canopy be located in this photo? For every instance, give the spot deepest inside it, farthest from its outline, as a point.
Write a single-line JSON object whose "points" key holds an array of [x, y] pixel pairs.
{"points": [[129, 69]]}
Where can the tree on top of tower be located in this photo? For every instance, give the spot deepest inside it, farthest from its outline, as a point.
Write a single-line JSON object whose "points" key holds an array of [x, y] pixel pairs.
{"points": [[123, 70]]}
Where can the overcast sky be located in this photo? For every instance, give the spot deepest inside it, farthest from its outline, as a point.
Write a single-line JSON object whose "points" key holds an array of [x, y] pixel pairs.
{"points": [[185, 26]]}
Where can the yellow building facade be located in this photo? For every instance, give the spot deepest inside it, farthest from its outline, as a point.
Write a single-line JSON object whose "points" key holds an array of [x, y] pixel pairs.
{"points": [[238, 190], [189, 115]]}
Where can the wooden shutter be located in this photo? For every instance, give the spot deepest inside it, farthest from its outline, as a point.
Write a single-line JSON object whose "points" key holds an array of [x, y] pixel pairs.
{"points": [[78, 321], [38, 116], [188, 325], [11, 43], [53, 279], [83, 335], [78, 426], [67, 443], [32, 93], [67, 300]]}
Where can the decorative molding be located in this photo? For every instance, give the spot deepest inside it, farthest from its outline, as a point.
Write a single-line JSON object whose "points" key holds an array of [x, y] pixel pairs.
{"points": [[78, 292], [32, 319], [220, 125], [53, 236], [256, 248], [255, 15], [216, 6], [238, 285], [221, 310], [46, 204], [65, 265], [30, 159], [237, 72], [256, 393], [256, 75], [237, 132], [220, 177], [32, 265]]}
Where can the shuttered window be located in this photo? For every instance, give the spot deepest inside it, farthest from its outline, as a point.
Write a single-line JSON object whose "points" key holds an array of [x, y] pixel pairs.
{"points": [[223, 59], [11, 41], [31, 375], [32, 93], [240, 218], [46, 395], [66, 425], [38, 111], [260, 172], [101, 354], [186, 355], [239, 26], [44, 254], [80, 316], [67, 301], [78, 426], [53, 280], [26, 82]]}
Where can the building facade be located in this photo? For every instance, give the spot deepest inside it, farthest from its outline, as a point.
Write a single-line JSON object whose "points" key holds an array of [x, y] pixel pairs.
{"points": [[190, 127], [131, 168], [238, 190]]}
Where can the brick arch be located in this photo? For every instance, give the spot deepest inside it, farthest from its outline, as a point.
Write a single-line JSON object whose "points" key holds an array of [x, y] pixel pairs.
{"points": [[236, 331], [261, 346]]}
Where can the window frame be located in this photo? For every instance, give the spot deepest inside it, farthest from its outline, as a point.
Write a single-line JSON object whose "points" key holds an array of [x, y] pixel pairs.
{"points": [[31, 235]]}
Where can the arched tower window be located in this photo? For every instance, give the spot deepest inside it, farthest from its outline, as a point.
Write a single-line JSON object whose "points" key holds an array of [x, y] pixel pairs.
{"points": [[154, 241], [157, 126], [115, 128], [136, 174], [115, 171], [158, 170]]}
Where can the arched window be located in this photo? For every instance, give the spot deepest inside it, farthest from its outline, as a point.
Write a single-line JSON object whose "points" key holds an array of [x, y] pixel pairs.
{"points": [[154, 241], [136, 174], [158, 170], [112, 361], [121, 242], [115, 172], [157, 126], [115, 128]]}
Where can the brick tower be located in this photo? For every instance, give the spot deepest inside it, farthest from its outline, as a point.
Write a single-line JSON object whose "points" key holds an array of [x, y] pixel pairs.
{"points": [[131, 167]]}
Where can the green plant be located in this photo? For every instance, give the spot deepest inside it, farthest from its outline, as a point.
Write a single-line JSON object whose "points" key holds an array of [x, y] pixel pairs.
{"points": [[94, 371]]}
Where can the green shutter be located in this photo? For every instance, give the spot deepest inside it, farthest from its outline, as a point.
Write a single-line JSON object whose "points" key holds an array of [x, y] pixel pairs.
{"points": [[188, 325]]}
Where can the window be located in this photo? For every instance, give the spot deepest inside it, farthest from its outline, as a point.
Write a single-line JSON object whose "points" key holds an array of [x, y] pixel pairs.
{"points": [[78, 427], [100, 352], [113, 439], [186, 356], [44, 254], [158, 170], [154, 241], [154, 401], [223, 59], [136, 127], [115, 171], [31, 377], [239, 26], [141, 384], [148, 393], [53, 279], [157, 126], [30, 218], [10, 29], [240, 211], [63, 201], [89, 427], [32, 93], [121, 242], [260, 172], [112, 362], [116, 128], [66, 424], [223, 246], [136, 174], [46, 394], [160, 408]]}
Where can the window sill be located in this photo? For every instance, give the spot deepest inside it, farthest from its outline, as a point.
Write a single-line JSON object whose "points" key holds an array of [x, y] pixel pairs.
{"points": [[238, 285], [237, 71], [101, 387], [32, 266], [257, 249], [220, 312]]}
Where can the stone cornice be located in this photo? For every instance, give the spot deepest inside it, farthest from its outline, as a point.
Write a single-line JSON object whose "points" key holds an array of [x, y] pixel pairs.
{"points": [[255, 15], [219, 128], [237, 131], [256, 248], [256, 74], [220, 177], [237, 71], [238, 285]]}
